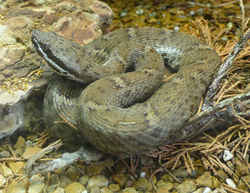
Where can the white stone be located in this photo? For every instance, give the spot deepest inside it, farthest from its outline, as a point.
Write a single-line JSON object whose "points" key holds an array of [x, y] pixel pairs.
{"points": [[143, 174], [227, 155], [219, 190], [207, 190], [230, 183]]}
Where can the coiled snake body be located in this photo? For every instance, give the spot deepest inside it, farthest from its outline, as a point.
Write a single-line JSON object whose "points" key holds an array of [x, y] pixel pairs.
{"points": [[127, 108]]}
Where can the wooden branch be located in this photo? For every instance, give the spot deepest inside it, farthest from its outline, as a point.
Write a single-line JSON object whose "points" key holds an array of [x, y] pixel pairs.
{"points": [[224, 114], [85, 153], [214, 87]]}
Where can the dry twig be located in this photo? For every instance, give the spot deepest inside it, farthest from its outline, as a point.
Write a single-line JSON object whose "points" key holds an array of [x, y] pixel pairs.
{"points": [[214, 87]]}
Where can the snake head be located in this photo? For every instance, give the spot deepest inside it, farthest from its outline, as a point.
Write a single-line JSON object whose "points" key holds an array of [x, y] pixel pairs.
{"points": [[61, 54]]}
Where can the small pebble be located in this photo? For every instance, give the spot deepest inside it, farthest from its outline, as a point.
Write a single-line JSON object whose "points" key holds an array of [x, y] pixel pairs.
{"points": [[153, 14], [176, 28], [4, 154], [36, 184], [220, 190], [94, 189], [129, 190], [207, 190], [186, 186], [59, 190], [208, 5], [143, 174], [114, 187], [200, 11], [123, 13], [139, 11], [74, 187], [224, 38], [227, 155], [230, 183], [192, 13], [98, 181], [229, 25], [84, 180]]}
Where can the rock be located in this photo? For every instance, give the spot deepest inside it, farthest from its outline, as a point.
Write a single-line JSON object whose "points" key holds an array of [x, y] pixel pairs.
{"points": [[11, 111], [6, 36], [121, 179], [200, 190], [20, 26], [220, 190], [143, 174], [114, 187], [54, 180], [181, 172], [11, 54], [59, 190], [227, 155], [15, 187], [52, 188], [207, 190], [73, 173], [205, 180], [64, 181], [84, 180], [99, 181], [36, 184], [129, 190], [95, 189], [106, 190], [99, 167], [75, 187], [164, 187], [142, 184], [4, 153], [83, 30], [101, 9], [230, 183], [82, 21], [187, 186]]}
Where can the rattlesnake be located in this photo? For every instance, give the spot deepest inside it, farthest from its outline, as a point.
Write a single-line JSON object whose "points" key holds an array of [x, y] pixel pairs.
{"points": [[127, 108]]}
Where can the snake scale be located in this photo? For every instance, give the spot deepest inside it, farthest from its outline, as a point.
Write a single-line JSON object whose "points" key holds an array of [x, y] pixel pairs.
{"points": [[111, 91]]}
